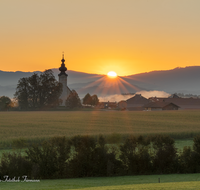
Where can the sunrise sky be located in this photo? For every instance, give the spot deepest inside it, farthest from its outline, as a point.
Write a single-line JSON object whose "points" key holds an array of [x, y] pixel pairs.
{"points": [[97, 36]]}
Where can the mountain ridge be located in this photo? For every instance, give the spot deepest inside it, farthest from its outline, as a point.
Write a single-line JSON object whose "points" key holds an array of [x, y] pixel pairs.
{"points": [[181, 80]]}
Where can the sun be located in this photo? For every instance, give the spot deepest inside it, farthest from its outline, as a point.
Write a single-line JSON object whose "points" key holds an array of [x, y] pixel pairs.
{"points": [[112, 74]]}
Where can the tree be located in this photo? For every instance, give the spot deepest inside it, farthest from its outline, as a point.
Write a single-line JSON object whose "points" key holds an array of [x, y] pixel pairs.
{"points": [[90, 100], [34, 82], [87, 99], [50, 157], [5, 103], [95, 100], [135, 155], [38, 91], [49, 89], [73, 100], [22, 92], [165, 154]]}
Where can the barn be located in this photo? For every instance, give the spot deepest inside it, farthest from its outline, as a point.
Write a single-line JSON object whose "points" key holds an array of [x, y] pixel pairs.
{"points": [[157, 106]]}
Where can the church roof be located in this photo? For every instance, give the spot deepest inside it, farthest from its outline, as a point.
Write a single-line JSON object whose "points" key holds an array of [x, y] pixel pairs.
{"points": [[62, 69]]}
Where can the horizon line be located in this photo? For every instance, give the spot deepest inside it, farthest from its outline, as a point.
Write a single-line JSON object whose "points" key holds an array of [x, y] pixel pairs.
{"points": [[103, 74]]}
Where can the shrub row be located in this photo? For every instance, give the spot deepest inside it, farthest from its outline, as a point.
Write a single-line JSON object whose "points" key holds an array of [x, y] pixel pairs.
{"points": [[85, 156]]}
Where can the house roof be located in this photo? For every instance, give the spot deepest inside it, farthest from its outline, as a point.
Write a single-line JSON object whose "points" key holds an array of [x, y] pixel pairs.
{"points": [[183, 103], [138, 99], [174, 96], [159, 104], [180, 101]]}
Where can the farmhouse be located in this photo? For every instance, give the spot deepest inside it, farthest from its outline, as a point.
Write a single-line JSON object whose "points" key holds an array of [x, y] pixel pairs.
{"points": [[156, 106], [63, 80], [183, 103], [137, 102]]}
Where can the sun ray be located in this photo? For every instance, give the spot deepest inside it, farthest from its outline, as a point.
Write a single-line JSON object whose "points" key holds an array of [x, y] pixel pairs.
{"points": [[132, 86], [107, 85]]}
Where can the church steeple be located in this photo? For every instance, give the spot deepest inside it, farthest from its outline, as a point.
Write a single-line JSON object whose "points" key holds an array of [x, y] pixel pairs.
{"points": [[63, 80], [62, 69]]}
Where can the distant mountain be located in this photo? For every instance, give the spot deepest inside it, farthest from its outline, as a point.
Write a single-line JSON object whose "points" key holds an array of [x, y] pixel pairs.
{"points": [[181, 80], [7, 90], [11, 78]]}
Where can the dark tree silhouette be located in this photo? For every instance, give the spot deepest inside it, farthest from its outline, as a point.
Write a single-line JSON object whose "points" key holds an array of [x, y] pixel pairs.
{"points": [[5, 103], [95, 100], [87, 99], [73, 100], [90, 100], [22, 93], [38, 91]]}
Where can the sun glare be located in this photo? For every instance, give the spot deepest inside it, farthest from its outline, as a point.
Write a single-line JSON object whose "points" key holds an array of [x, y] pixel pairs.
{"points": [[112, 74]]}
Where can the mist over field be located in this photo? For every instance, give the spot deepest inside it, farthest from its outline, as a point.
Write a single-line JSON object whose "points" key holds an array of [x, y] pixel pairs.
{"points": [[146, 94]]}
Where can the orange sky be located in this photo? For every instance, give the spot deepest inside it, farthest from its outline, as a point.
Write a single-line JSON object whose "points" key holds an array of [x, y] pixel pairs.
{"points": [[126, 36]]}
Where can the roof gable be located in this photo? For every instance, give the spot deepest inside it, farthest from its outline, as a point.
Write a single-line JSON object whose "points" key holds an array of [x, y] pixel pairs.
{"points": [[138, 99]]}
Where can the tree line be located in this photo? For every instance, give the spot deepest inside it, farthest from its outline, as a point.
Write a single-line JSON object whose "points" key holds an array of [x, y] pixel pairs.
{"points": [[87, 156], [42, 91]]}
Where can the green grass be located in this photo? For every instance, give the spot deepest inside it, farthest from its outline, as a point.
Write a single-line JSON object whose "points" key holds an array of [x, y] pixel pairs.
{"points": [[35, 126], [181, 143], [172, 181]]}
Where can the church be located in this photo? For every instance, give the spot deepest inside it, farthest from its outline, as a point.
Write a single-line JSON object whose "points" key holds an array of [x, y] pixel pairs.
{"points": [[63, 79]]}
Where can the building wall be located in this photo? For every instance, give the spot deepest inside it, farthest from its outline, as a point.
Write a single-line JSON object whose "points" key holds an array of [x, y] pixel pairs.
{"points": [[66, 91], [170, 107], [183, 103]]}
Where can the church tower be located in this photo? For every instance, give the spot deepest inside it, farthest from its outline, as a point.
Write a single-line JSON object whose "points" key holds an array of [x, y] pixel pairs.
{"points": [[63, 80]]}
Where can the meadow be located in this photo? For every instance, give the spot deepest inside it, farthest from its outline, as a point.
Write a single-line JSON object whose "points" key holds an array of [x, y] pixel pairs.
{"points": [[35, 126], [182, 125], [150, 182]]}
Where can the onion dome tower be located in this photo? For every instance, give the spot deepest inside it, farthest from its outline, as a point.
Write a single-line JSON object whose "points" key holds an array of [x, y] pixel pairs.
{"points": [[62, 69], [63, 80]]}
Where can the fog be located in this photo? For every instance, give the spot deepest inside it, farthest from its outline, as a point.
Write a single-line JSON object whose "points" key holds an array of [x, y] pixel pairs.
{"points": [[146, 94]]}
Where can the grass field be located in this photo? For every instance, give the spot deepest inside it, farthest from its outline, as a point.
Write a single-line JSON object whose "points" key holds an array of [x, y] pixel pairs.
{"points": [[40, 125], [150, 182]]}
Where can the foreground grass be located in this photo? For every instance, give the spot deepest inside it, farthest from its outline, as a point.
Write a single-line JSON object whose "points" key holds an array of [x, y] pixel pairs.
{"points": [[172, 181]]}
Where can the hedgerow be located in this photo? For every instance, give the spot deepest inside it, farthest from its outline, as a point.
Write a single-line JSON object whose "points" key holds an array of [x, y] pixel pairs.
{"points": [[89, 156]]}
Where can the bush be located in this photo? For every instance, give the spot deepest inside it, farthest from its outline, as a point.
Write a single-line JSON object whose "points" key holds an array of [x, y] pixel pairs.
{"points": [[188, 161], [135, 155], [14, 165], [91, 158], [87, 156], [165, 154], [49, 159]]}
